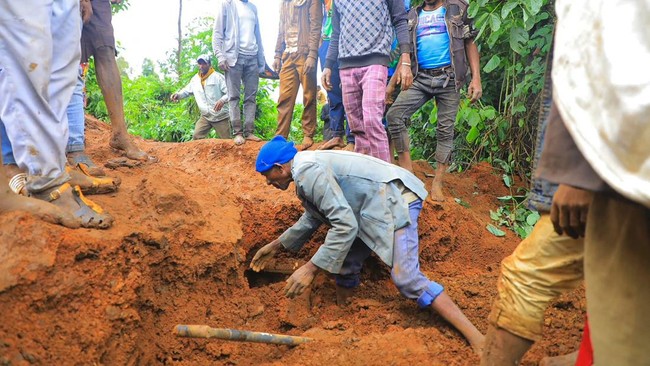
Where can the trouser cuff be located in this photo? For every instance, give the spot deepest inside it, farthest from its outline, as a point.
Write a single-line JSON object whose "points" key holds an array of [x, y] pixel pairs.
{"points": [[75, 148], [430, 294]]}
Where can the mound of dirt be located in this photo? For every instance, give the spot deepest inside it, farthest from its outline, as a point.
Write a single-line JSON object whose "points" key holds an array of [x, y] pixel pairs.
{"points": [[186, 229]]}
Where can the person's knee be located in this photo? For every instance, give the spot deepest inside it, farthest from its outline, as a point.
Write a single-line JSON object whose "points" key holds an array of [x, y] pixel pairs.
{"points": [[104, 53]]}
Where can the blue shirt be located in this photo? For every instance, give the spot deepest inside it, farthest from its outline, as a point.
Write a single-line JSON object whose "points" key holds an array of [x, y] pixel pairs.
{"points": [[433, 39]]}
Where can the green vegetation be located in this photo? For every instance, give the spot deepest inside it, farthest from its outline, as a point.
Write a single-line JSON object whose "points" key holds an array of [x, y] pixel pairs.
{"points": [[514, 40]]}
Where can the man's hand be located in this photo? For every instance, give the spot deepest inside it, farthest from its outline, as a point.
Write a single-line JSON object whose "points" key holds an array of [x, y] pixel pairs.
{"points": [[220, 103], [223, 65], [277, 65], [264, 255], [86, 10], [310, 65], [326, 79], [404, 74], [300, 280], [174, 97], [475, 90], [569, 210]]}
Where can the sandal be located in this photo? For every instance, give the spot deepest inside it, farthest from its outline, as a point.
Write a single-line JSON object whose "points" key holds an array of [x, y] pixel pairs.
{"points": [[84, 163], [90, 213], [17, 184], [92, 185]]}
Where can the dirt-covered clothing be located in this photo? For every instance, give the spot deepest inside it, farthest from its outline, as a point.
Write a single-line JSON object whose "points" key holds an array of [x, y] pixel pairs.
{"points": [[98, 32], [207, 96]]}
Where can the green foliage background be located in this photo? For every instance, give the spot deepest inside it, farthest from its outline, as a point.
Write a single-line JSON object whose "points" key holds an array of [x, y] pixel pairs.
{"points": [[514, 40]]}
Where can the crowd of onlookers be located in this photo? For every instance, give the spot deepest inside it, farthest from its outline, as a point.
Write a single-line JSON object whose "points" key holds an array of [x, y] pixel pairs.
{"points": [[381, 60]]}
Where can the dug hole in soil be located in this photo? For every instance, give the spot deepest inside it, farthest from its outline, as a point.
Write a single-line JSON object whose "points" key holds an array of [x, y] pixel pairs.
{"points": [[186, 229]]}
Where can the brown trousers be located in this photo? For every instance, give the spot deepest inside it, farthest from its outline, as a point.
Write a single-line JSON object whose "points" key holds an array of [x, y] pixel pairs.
{"points": [[203, 127], [292, 76]]}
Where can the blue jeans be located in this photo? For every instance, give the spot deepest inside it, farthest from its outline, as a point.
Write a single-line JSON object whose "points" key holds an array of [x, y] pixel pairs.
{"points": [[406, 274], [335, 96], [76, 126], [76, 122]]}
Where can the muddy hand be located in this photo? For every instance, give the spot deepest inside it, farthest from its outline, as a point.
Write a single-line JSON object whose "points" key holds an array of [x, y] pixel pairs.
{"points": [[569, 210], [300, 280], [264, 255]]}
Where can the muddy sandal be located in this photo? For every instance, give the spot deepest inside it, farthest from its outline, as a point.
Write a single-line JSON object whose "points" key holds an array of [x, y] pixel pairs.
{"points": [[88, 212], [84, 163], [90, 184], [17, 184]]}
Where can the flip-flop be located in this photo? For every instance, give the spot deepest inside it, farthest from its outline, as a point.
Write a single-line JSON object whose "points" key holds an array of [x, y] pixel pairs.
{"points": [[90, 213]]}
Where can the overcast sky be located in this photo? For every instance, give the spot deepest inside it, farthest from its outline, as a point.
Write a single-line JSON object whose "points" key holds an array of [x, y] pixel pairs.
{"points": [[148, 29]]}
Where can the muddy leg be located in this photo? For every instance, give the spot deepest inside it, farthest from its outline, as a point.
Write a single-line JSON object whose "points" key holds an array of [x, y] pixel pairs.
{"points": [[503, 347], [108, 78], [446, 307]]}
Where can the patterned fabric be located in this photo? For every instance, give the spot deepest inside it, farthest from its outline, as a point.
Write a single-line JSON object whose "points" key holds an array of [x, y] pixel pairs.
{"points": [[365, 28], [364, 90]]}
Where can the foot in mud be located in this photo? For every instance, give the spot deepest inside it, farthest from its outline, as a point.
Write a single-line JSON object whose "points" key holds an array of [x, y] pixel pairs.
{"points": [[84, 162], [436, 191], [564, 360], [333, 143], [70, 200], [10, 202], [253, 138], [307, 142], [126, 146], [343, 295], [239, 140]]}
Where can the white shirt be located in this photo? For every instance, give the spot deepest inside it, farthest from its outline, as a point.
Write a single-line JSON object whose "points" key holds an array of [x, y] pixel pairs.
{"points": [[247, 22], [601, 76]]}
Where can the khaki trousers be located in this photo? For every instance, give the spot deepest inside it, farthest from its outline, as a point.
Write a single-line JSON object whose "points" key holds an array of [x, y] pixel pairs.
{"points": [[617, 275], [203, 126], [292, 76]]}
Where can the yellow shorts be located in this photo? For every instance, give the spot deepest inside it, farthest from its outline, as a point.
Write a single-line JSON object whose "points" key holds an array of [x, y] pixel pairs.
{"points": [[542, 267]]}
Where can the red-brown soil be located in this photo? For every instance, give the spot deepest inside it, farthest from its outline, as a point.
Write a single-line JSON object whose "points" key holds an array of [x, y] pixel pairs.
{"points": [[186, 229]]}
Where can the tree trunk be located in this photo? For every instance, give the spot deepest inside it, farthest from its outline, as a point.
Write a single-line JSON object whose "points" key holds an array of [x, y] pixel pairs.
{"points": [[180, 35]]}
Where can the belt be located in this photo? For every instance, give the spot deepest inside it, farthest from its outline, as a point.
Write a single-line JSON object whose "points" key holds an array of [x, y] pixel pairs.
{"points": [[438, 71]]}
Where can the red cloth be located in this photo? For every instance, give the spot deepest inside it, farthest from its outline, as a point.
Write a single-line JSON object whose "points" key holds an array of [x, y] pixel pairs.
{"points": [[586, 352]]}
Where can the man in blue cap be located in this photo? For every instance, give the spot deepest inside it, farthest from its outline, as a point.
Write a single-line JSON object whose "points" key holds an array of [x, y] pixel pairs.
{"points": [[369, 205]]}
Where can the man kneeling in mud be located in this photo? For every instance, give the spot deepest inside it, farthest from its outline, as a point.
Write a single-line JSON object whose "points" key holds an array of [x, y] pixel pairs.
{"points": [[370, 205]]}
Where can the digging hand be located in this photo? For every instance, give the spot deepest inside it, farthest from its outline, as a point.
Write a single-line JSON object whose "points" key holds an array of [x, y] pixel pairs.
{"points": [[264, 255], [300, 280], [569, 210]]}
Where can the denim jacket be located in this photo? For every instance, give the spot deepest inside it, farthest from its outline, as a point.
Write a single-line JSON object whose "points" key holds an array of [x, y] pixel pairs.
{"points": [[459, 28], [356, 196]]}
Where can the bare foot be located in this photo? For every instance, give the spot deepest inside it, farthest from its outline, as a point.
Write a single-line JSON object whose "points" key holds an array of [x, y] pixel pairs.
{"points": [[436, 191], [239, 140], [349, 147], [332, 143], [343, 295], [307, 142], [564, 360], [72, 201], [124, 144], [45, 211], [253, 138]]}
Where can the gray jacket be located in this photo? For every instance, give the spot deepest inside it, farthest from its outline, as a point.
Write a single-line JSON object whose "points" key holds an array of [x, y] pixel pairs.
{"points": [[225, 35], [356, 196]]}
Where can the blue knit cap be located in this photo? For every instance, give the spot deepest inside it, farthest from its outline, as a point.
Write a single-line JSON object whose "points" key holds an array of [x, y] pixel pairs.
{"points": [[276, 151]]}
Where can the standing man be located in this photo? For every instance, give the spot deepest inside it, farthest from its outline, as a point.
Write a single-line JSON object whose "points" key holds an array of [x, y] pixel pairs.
{"points": [[375, 209], [98, 40], [296, 57], [211, 95], [443, 48], [337, 123], [237, 44], [362, 33]]}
